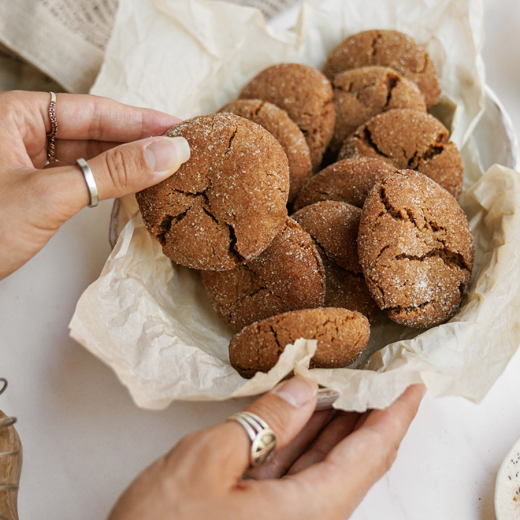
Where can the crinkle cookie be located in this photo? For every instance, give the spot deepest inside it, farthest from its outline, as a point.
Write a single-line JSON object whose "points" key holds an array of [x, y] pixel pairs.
{"points": [[224, 205], [415, 248], [334, 229], [387, 48], [277, 122], [409, 140], [287, 276], [360, 94], [305, 94], [348, 181], [342, 336]]}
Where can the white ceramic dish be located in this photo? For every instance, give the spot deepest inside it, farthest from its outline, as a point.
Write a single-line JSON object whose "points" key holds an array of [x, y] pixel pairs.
{"points": [[496, 142]]}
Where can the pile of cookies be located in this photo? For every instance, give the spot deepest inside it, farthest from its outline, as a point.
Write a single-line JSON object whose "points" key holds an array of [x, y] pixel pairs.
{"points": [[377, 228]]}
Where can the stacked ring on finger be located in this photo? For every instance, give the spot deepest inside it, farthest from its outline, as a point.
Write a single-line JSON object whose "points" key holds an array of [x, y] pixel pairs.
{"points": [[263, 438]]}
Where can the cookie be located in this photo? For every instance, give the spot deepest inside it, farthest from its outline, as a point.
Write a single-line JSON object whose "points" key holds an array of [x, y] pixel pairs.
{"points": [[415, 248], [287, 276], [342, 336], [391, 49], [334, 229], [224, 205], [277, 122], [409, 140], [360, 94], [305, 94], [348, 180]]}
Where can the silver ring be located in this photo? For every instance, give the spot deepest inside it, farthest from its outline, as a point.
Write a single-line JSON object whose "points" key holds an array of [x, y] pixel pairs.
{"points": [[91, 182], [263, 439]]}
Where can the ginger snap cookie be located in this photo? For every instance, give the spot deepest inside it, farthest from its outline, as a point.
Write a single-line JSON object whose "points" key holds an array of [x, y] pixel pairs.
{"points": [[342, 336], [334, 229], [305, 94], [224, 205], [409, 140], [360, 94], [416, 249], [348, 181], [277, 122], [287, 276], [387, 48]]}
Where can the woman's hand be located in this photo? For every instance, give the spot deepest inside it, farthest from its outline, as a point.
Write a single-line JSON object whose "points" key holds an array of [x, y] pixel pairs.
{"points": [[35, 201], [329, 461]]}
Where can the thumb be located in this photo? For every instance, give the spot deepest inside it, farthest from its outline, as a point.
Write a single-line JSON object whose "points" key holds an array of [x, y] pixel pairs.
{"points": [[120, 171], [132, 167], [221, 454]]}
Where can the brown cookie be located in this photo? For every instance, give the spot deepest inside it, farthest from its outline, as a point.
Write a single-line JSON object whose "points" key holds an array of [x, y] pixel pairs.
{"points": [[409, 140], [360, 94], [415, 248], [342, 336], [334, 229], [224, 205], [391, 49], [277, 122], [348, 181], [287, 276], [306, 94]]}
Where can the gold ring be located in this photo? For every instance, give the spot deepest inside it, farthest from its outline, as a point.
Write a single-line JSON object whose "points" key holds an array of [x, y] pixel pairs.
{"points": [[51, 149]]}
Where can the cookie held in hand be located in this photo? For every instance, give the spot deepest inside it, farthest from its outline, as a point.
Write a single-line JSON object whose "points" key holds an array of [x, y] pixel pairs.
{"points": [[277, 122], [387, 48], [416, 249], [409, 140], [225, 205], [305, 94], [342, 336], [287, 276]]}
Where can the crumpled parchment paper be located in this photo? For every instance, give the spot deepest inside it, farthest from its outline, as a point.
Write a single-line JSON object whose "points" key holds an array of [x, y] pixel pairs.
{"points": [[152, 322]]}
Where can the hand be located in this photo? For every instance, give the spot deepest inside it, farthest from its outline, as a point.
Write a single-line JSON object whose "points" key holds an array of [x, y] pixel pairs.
{"points": [[35, 202], [328, 466]]}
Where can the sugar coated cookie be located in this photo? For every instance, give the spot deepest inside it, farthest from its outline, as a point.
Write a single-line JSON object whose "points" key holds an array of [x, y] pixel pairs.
{"points": [[415, 248], [391, 49], [224, 205], [342, 336], [305, 94]]}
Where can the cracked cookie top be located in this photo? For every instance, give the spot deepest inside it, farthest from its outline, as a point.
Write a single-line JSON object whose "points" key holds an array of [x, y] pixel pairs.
{"points": [[334, 229], [288, 275], [409, 140], [277, 122], [342, 336], [305, 94], [224, 205], [348, 181], [387, 48], [360, 94], [416, 249]]}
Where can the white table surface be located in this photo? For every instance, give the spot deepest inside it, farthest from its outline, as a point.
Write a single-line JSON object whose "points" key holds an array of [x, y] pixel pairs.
{"points": [[84, 440]]}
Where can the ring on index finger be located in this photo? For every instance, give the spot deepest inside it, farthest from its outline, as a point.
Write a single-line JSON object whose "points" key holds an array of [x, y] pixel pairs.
{"points": [[51, 149], [263, 438]]}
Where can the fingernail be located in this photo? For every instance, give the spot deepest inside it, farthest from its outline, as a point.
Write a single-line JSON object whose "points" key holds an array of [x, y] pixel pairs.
{"points": [[297, 391], [167, 154]]}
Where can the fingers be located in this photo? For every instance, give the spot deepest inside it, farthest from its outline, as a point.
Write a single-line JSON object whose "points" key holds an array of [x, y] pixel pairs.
{"points": [[360, 460], [87, 117], [341, 426], [285, 458], [68, 152], [220, 455]]}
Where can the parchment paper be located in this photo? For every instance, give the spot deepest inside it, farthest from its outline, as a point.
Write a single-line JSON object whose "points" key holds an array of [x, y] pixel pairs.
{"points": [[152, 322]]}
